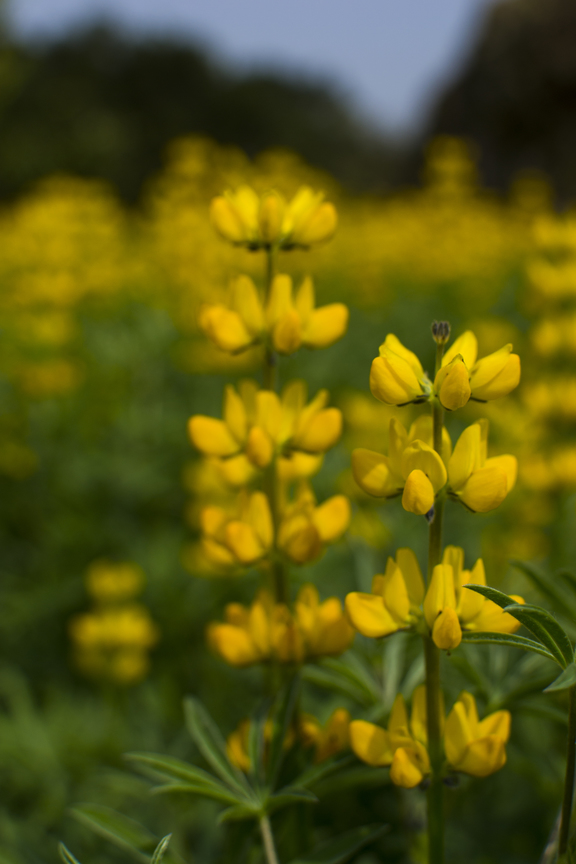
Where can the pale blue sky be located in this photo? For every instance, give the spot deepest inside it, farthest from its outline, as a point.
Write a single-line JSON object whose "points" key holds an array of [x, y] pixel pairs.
{"points": [[390, 56]]}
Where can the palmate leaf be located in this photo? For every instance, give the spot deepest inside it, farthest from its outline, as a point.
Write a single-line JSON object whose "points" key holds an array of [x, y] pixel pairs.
{"points": [[184, 777], [209, 741], [480, 638], [537, 620], [341, 848]]}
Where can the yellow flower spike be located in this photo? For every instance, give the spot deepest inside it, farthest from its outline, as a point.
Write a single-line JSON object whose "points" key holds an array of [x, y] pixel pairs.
{"points": [[495, 375], [309, 221], [324, 627], [452, 384], [418, 495], [370, 743], [393, 599], [396, 376], [271, 217], [480, 483], [472, 747]]}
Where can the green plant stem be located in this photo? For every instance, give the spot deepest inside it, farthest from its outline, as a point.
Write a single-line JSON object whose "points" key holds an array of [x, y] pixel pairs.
{"points": [[435, 793], [268, 841], [569, 779]]}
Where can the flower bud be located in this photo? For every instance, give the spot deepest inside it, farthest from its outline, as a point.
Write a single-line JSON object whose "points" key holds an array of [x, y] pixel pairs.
{"points": [[447, 633], [452, 384], [418, 496]]}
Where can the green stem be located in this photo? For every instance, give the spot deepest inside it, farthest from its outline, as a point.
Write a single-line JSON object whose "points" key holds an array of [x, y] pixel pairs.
{"points": [[268, 841], [569, 779], [435, 794]]}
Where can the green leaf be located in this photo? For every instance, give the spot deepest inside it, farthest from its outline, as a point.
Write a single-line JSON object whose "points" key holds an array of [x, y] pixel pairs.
{"points": [[506, 639], [239, 812], [202, 791], [187, 777], [160, 850], [341, 848], [351, 667], [257, 741], [282, 715], [212, 746], [534, 619], [66, 855], [289, 795], [493, 594], [566, 679], [124, 832]]}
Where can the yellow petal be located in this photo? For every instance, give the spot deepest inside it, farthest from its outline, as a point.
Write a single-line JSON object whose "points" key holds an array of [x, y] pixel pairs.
{"points": [[246, 202], [492, 619], [212, 520], [235, 414], [446, 632], [372, 473], [243, 542], [259, 625], [246, 302], [332, 518], [280, 299], [302, 544], [509, 465], [392, 343], [226, 220], [496, 375], [225, 328], [269, 413], [259, 447], [457, 734], [408, 563], [211, 436], [320, 433], [287, 333], [418, 723], [369, 615], [419, 455], [452, 385], [483, 756], [422, 429], [392, 380], [370, 743], [305, 300], [236, 471], [271, 216], [418, 495], [440, 593], [406, 768], [485, 489], [217, 554], [498, 723], [326, 325], [318, 228], [467, 346], [465, 458], [233, 644], [261, 519], [395, 594]]}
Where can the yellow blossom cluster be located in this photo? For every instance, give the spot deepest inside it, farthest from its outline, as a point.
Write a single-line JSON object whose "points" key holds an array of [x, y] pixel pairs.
{"points": [[112, 641], [472, 746]]}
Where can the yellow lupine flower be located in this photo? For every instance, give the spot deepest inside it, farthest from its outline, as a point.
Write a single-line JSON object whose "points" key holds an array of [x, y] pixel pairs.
{"points": [[395, 600], [400, 601], [259, 423], [246, 219], [237, 743], [285, 320], [412, 465], [489, 378], [397, 376], [471, 746], [268, 630], [306, 528], [328, 739], [480, 483]]}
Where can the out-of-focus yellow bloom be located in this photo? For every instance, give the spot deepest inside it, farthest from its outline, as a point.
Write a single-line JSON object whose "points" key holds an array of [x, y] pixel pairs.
{"points": [[261, 424], [286, 321], [412, 465], [246, 219], [268, 630], [397, 376], [399, 601], [480, 483], [110, 582], [245, 535], [471, 746], [395, 600], [328, 740], [237, 743]]}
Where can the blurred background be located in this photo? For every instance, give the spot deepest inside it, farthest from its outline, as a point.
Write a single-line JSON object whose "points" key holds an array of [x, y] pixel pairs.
{"points": [[445, 133]]}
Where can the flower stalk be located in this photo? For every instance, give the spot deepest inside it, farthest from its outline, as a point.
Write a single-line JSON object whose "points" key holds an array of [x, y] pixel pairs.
{"points": [[268, 841], [567, 800]]}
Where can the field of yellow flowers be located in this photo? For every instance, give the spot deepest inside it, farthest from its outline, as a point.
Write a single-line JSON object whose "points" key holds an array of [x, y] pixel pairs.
{"points": [[257, 435]]}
